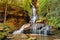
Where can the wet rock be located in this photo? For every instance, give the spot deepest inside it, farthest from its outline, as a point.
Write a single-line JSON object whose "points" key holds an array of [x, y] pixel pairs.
{"points": [[39, 28]]}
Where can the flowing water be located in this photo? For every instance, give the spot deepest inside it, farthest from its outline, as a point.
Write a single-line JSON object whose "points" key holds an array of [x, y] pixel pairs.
{"points": [[35, 27], [33, 19], [33, 15], [21, 29]]}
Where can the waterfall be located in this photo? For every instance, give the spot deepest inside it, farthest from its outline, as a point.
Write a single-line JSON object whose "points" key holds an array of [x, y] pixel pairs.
{"points": [[33, 14], [33, 19], [21, 29], [36, 28], [44, 27]]}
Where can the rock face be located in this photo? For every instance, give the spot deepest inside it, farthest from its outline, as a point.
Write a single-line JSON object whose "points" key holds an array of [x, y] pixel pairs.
{"points": [[15, 17], [2, 8]]}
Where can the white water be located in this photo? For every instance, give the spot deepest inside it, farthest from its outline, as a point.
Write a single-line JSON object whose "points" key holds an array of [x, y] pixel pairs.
{"points": [[36, 29], [18, 31], [33, 14], [21, 29], [34, 25], [33, 19]]}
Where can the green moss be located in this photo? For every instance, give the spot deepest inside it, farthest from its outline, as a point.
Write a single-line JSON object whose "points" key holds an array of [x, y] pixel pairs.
{"points": [[5, 30]]}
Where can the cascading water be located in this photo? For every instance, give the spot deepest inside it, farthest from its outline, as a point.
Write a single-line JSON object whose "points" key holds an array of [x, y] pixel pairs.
{"points": [[33, 19], [36, 28], [21, 29], [33, 14]]}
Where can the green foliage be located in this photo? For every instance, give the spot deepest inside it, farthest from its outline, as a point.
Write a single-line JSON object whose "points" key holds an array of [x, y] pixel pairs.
{"points": [[4, 30], [2, 1], [53, 14], [56, 12], [42, 4], [25, 4]]}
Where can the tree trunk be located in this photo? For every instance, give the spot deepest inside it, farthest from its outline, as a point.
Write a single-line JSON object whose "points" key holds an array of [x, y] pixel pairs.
{"points": [[5, 13]]}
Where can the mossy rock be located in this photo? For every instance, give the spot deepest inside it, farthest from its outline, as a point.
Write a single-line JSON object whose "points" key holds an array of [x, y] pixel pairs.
{"points": [[5, 30]]}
